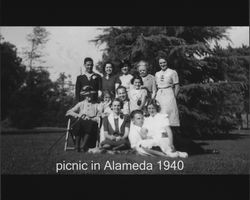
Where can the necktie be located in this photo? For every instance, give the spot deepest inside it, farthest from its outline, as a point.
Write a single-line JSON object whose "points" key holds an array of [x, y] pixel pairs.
{"points": [[116, 125]]}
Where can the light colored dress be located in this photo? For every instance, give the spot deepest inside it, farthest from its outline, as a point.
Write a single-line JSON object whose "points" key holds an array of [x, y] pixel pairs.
{"points": [[125, 80], [165, 80], [137, 143], [149, 83], [136, 96]]}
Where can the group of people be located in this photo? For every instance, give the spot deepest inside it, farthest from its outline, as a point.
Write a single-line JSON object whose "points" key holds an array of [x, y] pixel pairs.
{"points": [[136, 111]]}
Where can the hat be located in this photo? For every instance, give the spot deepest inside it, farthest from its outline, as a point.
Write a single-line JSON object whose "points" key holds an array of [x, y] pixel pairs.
{"points": [[86, 90]]}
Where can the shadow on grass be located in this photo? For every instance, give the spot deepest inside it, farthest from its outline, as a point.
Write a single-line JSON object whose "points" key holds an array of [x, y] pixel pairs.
{"points": [[230, 136]]}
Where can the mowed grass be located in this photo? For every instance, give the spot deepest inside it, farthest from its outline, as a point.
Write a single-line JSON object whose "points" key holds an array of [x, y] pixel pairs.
{"points": [[28, 154]]}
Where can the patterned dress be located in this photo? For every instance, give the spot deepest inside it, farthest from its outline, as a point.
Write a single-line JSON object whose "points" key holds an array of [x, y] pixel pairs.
{"points": [[135, 97], [165, 80]]}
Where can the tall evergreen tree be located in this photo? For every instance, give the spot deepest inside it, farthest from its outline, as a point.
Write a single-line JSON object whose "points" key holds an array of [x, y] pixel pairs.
{"points": [[204, 95]]}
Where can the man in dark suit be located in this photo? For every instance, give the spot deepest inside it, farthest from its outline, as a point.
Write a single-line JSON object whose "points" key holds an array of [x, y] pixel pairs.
{"points": [[89, 78]]}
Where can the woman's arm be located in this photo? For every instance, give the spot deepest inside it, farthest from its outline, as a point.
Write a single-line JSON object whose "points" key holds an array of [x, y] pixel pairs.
{"points": [[176, 89], [154, 89], [74, 112], [143, 100]]}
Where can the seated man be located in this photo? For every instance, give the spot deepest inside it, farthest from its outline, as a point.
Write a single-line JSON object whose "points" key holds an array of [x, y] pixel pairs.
{"points": [[146, 143], [87, 116]]}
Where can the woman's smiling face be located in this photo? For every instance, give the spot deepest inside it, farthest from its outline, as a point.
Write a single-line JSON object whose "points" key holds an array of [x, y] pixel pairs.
{"points": [[152, 110], [163, 64], [108, 69]]}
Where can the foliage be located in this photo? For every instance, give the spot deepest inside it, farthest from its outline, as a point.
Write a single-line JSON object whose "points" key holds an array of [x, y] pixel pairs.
{"points": [[211, 81], [12, 75], [37, 40]]}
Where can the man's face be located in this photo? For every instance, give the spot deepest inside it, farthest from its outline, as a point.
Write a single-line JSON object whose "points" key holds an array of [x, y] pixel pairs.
{"points": [[116, 107], [122, 94], [89, 66], [138, 119]]}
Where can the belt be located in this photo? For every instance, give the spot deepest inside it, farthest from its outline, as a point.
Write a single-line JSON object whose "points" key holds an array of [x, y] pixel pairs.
{"points": [[165, 87]]}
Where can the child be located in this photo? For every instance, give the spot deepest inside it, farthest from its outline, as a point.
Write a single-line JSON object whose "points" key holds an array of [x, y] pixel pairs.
{"points": [[136, 94], [145, 143], [87, 115], [105, 105]]}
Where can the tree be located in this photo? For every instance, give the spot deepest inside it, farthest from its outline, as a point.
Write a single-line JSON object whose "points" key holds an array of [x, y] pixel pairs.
{"points": [[205, 98], [12, 75], [37, 39], [30, 103], [60, 101]]}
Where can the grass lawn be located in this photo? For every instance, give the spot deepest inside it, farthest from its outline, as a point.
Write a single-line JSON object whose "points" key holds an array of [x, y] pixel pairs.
{"points": [[28, 154]]}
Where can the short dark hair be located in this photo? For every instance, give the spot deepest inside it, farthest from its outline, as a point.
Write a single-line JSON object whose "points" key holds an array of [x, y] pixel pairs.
{"points": [[87, 59], [136, 77], [154, 103], [120, 87], [124, 63], [134, 112], [116, 99]]}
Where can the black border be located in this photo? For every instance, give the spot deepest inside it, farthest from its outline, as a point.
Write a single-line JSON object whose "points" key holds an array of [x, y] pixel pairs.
{"points": [[145, 187], [126, 187]]}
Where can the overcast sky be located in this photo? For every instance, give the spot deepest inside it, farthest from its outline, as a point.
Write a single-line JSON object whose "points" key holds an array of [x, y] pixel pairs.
{"points": [[68, 46]]}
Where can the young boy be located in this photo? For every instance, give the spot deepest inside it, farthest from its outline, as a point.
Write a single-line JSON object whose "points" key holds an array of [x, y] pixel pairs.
{"points": [[87, 116], [144, 144]]}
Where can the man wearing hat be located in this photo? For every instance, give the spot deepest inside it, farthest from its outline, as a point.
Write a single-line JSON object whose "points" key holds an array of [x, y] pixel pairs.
{"points": [[87, 116], [89, 78]]}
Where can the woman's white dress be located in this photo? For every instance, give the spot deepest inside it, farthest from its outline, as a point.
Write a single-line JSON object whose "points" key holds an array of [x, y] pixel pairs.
{"points": [[156, 126], [165, 80]]}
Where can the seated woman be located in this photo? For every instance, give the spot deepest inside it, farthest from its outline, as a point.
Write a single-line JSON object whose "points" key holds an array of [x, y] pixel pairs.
{"points": [[116, 128], [148, 141], [159, 123], [87, 116]]}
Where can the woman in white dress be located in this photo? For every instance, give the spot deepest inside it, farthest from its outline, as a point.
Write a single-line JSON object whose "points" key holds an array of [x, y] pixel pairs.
{"points": [[167, 82], [152, 136]]}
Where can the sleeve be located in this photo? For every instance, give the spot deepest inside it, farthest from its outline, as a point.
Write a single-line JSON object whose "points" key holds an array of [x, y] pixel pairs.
{"points": [[144, 93], [156, 78], [99, 82], [133, 137], [118, 80], [105, 124], [154, 88], [77, 89], [74, 111], [165, 120], [175, 78]]}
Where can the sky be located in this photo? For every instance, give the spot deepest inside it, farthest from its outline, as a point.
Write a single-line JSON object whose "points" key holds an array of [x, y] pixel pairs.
{"points": [[68, 46]]}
